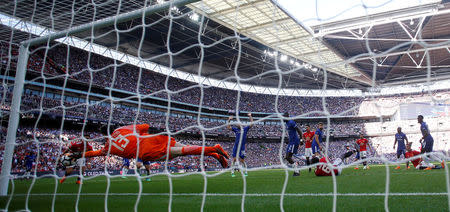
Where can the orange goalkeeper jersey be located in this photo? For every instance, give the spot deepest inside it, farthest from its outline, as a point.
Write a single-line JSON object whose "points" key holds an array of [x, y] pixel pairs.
{"points": [[124, 143], [124, 140]]}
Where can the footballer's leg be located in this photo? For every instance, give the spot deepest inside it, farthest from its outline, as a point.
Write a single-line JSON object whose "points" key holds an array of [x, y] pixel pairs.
{"points": [[197, 150], [291, 149], [147, 169], [357, 157], [81, 162], [68, 171], [233, 166], [234, 160], [398, 158], [363, 156], [242, 160], [146, 164]]}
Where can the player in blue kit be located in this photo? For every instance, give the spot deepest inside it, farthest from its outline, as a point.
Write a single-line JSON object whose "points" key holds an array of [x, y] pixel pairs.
{"points": [[294, 142], [125, 167], [29, 160], [317, 139], [400, 138], [146, 164], [427, 142], [239, 143]]}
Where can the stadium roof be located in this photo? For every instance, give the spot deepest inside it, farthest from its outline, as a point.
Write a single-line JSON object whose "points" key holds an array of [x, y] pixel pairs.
{"points": [[393, 54], [265, 22]]}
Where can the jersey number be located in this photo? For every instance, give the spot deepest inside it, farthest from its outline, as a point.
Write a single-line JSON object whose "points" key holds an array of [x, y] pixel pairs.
{"points": [[121, 143], [325, 169]]}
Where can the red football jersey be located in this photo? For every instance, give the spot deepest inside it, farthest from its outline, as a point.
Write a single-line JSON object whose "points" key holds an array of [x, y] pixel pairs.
{"points": [[308, 135], [78, 146], [124, 140], [413, 153], [362, 144], [324, 170]]}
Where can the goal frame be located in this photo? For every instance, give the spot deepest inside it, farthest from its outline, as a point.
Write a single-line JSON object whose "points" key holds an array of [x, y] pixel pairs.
{"points": [[21, 69]]}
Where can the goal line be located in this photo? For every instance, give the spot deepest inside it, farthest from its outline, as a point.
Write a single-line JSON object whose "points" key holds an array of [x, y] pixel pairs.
{"points": [[238, 194]]}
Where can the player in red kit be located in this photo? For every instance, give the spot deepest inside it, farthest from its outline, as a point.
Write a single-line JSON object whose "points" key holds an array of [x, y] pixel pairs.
{"points": [[418, 162], [324, 169], [133, 140], [363, 143], [76, 147], [307, 137]]}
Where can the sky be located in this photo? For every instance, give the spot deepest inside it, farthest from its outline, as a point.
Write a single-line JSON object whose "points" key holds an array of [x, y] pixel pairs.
{"points": [[315, 12]]}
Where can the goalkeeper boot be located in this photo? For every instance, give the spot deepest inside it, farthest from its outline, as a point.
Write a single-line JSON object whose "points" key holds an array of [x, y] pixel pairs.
{"points": [[79, 182], [222, 160], [148, 179], [245, 173], [408, 167], [62, 180], [428, 168], [233, 175], [443, 164], [398, 167], [221, 151]]}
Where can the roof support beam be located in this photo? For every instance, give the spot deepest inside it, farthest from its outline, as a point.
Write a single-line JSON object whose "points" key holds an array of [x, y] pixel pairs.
{"points": [[266, 24], [241, 7], [399, 53]]}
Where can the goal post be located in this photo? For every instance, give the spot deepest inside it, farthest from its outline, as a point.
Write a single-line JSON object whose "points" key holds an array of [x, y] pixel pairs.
{"points": [[22, 68]]}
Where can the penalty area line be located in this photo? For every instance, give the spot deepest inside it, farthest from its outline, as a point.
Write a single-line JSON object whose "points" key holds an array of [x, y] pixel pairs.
{"points": [[239, 195]]}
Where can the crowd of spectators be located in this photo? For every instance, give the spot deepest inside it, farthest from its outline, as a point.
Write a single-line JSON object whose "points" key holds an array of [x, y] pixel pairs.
{"points": [[49, 144], [103, 72]]}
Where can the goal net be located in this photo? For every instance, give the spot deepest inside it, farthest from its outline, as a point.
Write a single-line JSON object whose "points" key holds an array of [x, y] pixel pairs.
{"points": [[224, 72]]}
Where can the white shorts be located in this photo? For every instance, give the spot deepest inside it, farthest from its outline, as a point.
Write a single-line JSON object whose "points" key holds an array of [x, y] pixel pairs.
{"points": [[362, 154], [308, 152]]}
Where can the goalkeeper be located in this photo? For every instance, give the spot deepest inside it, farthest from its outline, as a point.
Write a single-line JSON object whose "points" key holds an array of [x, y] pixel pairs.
{"points": [[126, 140]]}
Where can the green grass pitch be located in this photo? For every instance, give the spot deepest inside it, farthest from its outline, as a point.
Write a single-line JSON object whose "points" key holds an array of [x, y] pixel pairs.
{"points": [[225, 193]]}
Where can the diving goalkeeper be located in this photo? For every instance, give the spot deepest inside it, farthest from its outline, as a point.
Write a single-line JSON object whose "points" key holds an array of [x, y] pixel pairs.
{"points": [[125, 141]]}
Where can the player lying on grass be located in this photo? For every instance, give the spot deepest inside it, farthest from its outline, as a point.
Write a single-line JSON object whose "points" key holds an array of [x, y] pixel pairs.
{"points": [[77, 148], [126, 140], [324, 170], [418, 162]]}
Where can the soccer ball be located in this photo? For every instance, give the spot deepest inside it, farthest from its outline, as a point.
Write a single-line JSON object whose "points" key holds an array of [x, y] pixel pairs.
{"points": [[67, 160]]}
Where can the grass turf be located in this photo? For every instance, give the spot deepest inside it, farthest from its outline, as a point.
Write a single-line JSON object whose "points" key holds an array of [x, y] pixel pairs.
{"points": [[264, 189]]}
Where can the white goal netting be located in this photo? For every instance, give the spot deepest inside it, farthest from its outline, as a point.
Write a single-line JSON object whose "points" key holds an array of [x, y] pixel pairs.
{"points": [[195, 71]]}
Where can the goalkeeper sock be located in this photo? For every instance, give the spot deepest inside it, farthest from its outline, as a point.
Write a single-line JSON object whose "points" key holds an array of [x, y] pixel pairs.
{"points": [[197, 150], [245, 167]]}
